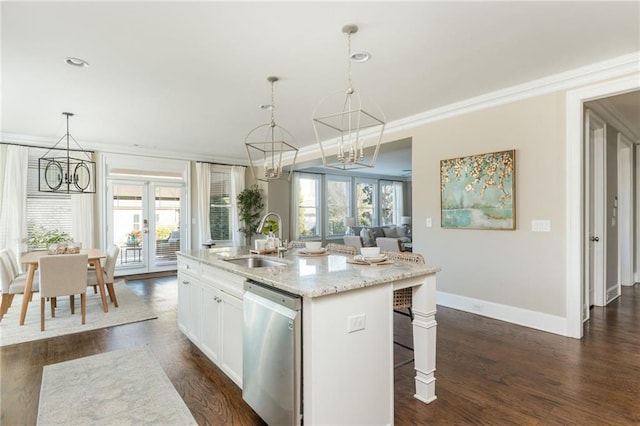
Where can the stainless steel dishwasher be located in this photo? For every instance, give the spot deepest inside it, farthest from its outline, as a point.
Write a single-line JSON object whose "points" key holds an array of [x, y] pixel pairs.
{"points": [[272, 354]]}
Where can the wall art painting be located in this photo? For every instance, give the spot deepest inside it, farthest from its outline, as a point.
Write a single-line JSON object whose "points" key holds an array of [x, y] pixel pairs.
{"points": [[478, 191]]}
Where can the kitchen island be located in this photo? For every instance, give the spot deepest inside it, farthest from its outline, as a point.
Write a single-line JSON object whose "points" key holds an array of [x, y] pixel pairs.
{"points": [[347, 325]]}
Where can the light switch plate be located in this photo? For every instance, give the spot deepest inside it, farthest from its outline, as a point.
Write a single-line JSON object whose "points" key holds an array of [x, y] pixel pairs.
{"points": [[356, 323], [541, 225]]}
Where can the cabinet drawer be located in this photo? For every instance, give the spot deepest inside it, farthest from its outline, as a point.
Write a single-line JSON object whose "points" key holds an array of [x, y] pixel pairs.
{"points": [[225, 281], [188, 265]]}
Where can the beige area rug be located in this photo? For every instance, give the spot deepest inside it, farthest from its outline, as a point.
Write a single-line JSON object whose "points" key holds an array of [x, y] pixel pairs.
{"points": [[130, 309], [123, 387]]}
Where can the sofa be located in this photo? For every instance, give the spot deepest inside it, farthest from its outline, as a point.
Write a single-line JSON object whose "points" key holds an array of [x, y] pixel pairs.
{"points": [[369, 234]]}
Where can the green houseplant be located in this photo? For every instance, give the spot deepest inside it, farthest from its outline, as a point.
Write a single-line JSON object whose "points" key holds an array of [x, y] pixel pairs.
{"points": [[42, 237], [250, 206]]}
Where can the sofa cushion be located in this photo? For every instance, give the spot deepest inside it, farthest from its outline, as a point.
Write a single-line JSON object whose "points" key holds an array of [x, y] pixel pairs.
{"points": [[401, 231], [390, 231], [377, 232]]}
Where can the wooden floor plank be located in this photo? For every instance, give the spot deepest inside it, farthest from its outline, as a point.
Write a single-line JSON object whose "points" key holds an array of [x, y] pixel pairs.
{"points": [[488, 372]]}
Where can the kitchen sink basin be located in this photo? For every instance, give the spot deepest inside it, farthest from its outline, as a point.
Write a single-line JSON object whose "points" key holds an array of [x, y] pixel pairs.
{"points": [[255, 262]]}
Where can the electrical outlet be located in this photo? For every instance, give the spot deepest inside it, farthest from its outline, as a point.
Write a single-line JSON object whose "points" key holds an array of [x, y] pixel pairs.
{"points": [[356, 323]]}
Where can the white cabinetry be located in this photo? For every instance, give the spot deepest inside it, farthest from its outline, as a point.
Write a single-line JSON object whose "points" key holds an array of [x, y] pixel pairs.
{"points": [[210, 313]]}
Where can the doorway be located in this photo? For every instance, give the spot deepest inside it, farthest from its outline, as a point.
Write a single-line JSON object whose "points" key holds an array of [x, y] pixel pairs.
{"points": [[145, 209], [576, 177]]}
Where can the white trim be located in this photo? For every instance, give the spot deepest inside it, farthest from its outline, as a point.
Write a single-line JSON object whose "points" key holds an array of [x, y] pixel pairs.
{"points": [[563, 81], [532, 319], [574, 187], [611, 115]]}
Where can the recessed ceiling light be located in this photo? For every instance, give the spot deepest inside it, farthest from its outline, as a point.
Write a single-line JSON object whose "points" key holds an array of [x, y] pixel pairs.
{"points": [[76, 62], [360, 56]]}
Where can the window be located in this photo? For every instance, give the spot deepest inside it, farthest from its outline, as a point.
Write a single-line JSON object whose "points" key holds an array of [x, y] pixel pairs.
{"points": [[308, 205], [366, 201], [338, 204], [220, 206], [329, 200], [46, 212], [390, 202]]}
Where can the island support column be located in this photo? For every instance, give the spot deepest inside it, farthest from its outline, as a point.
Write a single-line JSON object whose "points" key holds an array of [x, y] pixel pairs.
{"points": [[424, 337]]}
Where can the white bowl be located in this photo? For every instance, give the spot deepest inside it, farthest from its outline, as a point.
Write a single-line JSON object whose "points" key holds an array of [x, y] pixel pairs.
{"points": [[313, 245], [370, 251]]}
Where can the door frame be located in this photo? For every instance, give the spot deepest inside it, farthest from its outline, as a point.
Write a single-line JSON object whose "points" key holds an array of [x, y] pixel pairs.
{"points": [[595, 212], [574, 260], [625, 211]]}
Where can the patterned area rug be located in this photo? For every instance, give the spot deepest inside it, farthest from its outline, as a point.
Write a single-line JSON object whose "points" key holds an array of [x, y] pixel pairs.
{"points": [[123, 387], [130, 309]]}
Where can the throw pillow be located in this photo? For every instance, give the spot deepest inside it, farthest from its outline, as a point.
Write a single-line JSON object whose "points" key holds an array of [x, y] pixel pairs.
{"points": [[367, 237], [401, 231]]}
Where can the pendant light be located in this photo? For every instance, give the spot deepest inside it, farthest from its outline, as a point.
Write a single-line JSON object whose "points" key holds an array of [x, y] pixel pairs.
{"points": [[267, 146], [72, 173], [341, 123]]}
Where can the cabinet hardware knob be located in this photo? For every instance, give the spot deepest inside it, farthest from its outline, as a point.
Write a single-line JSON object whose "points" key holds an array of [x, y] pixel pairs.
{"points": [[596, 239], [185, 282]]}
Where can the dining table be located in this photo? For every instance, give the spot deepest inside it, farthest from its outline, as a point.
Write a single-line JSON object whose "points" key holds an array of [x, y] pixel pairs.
{"points": [[31, 260]]}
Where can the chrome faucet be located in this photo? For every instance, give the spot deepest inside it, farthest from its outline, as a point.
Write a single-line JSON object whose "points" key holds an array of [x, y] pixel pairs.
{"points": [[263, 220]]}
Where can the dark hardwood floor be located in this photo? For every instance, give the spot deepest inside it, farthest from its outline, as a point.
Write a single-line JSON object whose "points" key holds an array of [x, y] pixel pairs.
{"points": [[488, 372]]}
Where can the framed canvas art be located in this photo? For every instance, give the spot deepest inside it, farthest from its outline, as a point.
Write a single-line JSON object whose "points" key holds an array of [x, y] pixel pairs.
{"points": [[478, 191]]}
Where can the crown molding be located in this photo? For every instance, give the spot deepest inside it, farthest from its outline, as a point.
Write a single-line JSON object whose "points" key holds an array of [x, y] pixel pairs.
{"points": [[589, 74], [45, 143], [609, 113]]}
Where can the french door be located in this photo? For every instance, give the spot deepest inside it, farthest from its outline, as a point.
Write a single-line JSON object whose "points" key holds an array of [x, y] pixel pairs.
{"points": [[144, 219]]}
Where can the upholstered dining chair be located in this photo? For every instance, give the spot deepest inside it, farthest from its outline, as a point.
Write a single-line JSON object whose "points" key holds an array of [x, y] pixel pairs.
{"points": [[354, 241], [12, 282], [108, 272], [341, 248], [402, 299], [63, 275], [388, 244]]}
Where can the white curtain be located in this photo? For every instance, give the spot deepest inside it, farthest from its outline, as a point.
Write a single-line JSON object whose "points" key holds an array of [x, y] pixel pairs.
{"points": [[203, 176], [237, 186], [82, 219], [13, 208]]}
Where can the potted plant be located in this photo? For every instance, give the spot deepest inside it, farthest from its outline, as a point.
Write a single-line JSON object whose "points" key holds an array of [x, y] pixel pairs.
{"points": [[250, 207], [42, 238]]}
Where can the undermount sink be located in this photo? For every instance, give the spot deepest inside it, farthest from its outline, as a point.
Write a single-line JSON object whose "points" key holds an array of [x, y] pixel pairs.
{"points": [[255, 262]]}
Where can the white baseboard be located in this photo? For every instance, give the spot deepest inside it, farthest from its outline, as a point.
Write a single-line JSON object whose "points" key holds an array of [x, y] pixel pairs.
{"points": [[537, 320]]}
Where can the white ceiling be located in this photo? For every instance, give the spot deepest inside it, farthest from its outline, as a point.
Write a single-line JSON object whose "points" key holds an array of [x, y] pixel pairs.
{"points": [[186, 79]]}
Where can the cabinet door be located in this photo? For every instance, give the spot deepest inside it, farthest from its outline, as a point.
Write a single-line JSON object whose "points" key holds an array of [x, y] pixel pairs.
{"points": [[211, 312], [184, 300], [232, 319], [195, 311]]}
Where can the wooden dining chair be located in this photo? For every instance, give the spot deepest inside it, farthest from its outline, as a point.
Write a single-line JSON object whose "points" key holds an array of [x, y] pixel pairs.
{"points": [[108, 272], [63, 275], [11, 281]]}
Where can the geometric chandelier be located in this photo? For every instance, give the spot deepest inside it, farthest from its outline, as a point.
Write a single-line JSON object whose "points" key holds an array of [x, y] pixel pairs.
{"points": [[71, 173], [267, 146], [341, 123]]}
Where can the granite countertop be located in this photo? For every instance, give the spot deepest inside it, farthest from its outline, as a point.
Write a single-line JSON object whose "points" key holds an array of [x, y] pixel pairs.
{"points": [[310, 276]]}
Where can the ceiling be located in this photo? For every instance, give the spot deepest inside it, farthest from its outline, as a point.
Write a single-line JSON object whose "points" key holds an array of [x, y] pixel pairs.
{"points": [[186, 79]]}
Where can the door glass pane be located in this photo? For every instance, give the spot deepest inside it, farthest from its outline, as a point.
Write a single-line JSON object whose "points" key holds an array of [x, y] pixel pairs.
{"points": [[127, 226], [167, 223]]}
